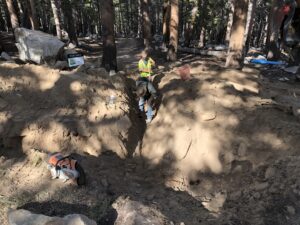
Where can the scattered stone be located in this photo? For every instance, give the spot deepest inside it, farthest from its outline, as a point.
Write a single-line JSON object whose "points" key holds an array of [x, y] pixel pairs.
{"points": [[104, 182], [71, 46], [270, 172], [3, 103], [37, 46], [242, 150], [256, 195], [5, 56], [24, 217], [292, 69], [261, 186], [235, 195], [135, 213], [291, 210], [216, 204], [150, 197], [296, 109], [112, 73]]}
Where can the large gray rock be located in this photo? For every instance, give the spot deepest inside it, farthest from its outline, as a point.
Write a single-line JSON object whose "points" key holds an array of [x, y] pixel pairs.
{"points": [[24, 217], [37, 46], [134, 213]]}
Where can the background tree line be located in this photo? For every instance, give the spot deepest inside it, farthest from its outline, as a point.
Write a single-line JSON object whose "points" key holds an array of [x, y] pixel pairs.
{"points": [[191, 23]]}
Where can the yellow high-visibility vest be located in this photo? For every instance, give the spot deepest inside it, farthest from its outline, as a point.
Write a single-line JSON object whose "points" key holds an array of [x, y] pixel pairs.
{"points": [[146, 66]]}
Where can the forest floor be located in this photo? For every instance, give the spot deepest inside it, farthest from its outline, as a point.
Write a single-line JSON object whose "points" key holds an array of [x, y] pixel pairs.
{"points": [[223, 147]]}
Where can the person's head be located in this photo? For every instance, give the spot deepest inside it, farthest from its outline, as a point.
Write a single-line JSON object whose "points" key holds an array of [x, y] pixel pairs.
{"points": [[145, 54], [141, 90]]}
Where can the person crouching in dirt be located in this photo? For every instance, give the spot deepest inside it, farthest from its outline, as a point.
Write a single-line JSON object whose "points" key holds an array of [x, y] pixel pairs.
{"points": [[147, 94]]}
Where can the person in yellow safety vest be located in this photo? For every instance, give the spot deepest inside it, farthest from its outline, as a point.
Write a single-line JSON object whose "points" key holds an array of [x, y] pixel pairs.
{"points": [[145, 65]]}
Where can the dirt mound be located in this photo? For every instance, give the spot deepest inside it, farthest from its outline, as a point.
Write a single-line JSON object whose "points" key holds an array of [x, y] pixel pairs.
{"points": [[52, 111]]}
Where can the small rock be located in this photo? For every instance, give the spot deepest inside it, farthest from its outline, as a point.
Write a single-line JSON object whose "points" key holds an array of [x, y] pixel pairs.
{"points": [[71, 46], [3, 103], [161, 67], [22, 217], [5, 56], [273, 190], [261, 186], [104, 182], [235, 195], [242, 150], [150, 197], [112, 73], [256, 195], [296, 109], [291, 210], [270, 172]]}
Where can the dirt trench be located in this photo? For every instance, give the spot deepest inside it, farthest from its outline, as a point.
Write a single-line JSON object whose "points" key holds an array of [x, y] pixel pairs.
{"points": [[219, 151]]}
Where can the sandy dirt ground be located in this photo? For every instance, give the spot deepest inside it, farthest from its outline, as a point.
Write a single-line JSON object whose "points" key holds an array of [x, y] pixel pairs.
{"points": [[223, 147]]}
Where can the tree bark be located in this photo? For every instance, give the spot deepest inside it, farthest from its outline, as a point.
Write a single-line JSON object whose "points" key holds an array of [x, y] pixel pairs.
{"points": [[146, 23], [56, 18], [236, 44], [12, 13], [109, 58], [229, 22], [3, 22], [33, 18], [275, 20], [249, 26], [166, 21], [140, 17], [43, 12], [69, 19], [21, 13], [172, 49], [190, 26], [202, 5]]}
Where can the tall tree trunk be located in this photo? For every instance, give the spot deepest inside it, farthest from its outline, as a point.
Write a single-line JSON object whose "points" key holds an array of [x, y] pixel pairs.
{"points": [[109, 58], [69, 19], [146, 23], [202, 6], [56, 18], [3, 18], [21, 13], [275, 20], [190, 26], [172, 50], [229, 22], [12, 13], [140, 18], [2, 21], [166, 21], [249, 27], [236, 44], [43, 12], [34, 21]]}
